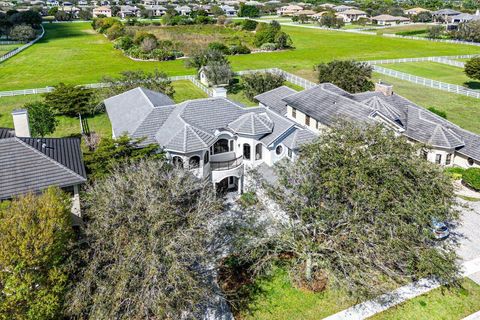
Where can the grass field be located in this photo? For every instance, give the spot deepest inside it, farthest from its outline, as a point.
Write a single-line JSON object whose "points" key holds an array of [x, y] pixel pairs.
{"points": [[184, 90], [437, 71], [461, 110], [74, 53], [6, 48], [437, 304], [403, 28]]}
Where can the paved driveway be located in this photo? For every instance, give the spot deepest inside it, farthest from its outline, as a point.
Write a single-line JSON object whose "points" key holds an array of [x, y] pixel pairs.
{"points": [[469, 231]]}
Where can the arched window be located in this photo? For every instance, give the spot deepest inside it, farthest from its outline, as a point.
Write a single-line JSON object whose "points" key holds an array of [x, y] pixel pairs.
{"points": [[177, 162], [206, 157], [194, 162], [279, 150], [220, 146], [258, 151], [246, 151]]}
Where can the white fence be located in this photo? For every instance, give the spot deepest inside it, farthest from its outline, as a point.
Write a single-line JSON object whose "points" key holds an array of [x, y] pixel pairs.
{"points": [[445, 59], [20, 49], [8, 42], [428, 82]]}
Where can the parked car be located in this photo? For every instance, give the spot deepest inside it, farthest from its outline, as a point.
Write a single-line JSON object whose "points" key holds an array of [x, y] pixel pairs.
{"points": [[440, 230]]}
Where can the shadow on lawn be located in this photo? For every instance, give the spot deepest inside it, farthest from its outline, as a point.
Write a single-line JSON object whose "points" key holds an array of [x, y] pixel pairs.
{"points": [[57, 31], [475, 85]]}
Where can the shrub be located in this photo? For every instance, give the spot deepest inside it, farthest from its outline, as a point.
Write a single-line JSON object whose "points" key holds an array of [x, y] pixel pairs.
{"points": [[282, 40], [102, 24], [249, 25], [440, 113], [141, 35], [23, 33], [472, 68], [239, 49], [268, 46], [148, 44], [248, 11], [435, 32], [454, 172], [248, 199], [471, 178], [219, 47], [123, 43], [260, 82], [115, 31]]}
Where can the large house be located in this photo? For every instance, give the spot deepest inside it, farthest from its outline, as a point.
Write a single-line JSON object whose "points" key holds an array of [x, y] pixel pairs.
{"points": [[289, 10], [215, 138], [386, 19], [317, 108], [34, 164], [351, 15], [102, 11]]}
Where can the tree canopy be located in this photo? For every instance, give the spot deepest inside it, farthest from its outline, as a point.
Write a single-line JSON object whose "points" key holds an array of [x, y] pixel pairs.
{"points": [[71, 100], [35, 240], [42, 119], [361, 203], [147, 248], [350, 75], [472, 68], [260, 82]]}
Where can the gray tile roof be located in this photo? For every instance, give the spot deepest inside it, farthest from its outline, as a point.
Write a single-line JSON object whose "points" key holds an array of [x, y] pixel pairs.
{"points": [[281, 128], [298, 137], [31, 165], [252, 124], [127, 110], [273, 99]]}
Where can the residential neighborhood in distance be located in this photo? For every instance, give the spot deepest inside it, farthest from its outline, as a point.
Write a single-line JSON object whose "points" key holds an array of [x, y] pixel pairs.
{"points": [[234, 159]]}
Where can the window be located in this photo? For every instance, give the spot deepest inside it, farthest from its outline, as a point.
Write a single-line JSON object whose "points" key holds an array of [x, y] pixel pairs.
{"points": [[307, 120], [438, 158], [231, 145], [194, 162], [258, 151], [177, 162], [290, 153], [246, 151], [220, 146], [279, 150], [206, 157], [294, 113], [231, 181], [470, 161], [448, 160]]}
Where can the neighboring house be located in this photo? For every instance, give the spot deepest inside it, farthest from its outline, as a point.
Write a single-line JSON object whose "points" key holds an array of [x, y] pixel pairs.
{"points": [[463, 17], [415, 11], [443, 15], [34, 164], [129, 11], [342, 8], [351, 15], [289, 10], [215, 138], [71, 10], [385, 19], [183, 10], [308, 13], [156, 10], [229, 10], [102, 11], [317, 108]]}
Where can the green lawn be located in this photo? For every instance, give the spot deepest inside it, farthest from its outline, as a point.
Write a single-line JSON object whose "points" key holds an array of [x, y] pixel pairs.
{"points": [[74, 53], [437, 71], [184, 90], [281, 301], [461, 110], [437, 304], [403, 28], [6, 48]]}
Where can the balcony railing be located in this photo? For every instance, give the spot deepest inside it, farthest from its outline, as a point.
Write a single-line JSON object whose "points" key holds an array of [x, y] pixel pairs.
{"points": [[226, 165]]}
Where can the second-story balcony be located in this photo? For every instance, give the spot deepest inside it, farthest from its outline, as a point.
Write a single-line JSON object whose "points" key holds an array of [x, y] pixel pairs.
{"points": [[218, 165]]}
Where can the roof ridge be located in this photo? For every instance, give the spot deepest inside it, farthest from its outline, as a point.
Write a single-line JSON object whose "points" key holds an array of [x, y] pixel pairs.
{"points": [[193, 129], [145, 95], [50, 159]]}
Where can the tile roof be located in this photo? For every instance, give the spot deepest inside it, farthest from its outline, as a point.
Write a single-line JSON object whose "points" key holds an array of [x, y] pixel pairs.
{"points": [[30, 164], [273, 99], [252, 124], [298, 137]]}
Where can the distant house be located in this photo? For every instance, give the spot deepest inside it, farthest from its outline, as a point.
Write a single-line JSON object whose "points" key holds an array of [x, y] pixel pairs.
{"points": [[385, 19], [183, 10], [129, 11], [308, 13], [463, 17], [415, 11], [73, 11], [289, 10], [443, 15], [230, 11], [342, 8], [34, 164], [102, 11], [351, 15], [156, 10]]}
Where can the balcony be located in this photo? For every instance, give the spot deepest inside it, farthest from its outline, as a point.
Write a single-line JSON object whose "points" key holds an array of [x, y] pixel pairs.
{"points": [[226, 165]]}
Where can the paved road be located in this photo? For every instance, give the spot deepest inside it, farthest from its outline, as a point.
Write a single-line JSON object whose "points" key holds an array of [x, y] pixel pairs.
{"points": [[469, 231]]}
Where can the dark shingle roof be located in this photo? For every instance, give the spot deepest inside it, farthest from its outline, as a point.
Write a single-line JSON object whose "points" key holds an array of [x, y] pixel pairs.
{"points": [[6, 133], [27, 166]]}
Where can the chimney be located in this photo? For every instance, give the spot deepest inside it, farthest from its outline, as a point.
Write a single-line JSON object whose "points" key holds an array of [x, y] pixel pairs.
{"points": [[385, 88], [20, 122], [219, 92]]}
